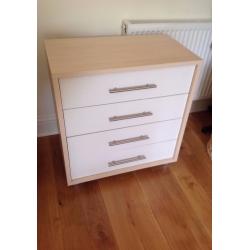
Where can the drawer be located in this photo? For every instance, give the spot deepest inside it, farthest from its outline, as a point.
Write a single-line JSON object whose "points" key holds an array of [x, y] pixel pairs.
{"points": [[107, 117], [85, 162], [128, 137], [126, 86]]}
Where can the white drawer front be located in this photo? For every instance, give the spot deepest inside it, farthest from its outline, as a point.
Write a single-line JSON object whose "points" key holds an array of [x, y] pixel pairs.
{"points": [[95, 90], [86, 163], [119, 139], [107, 117]]}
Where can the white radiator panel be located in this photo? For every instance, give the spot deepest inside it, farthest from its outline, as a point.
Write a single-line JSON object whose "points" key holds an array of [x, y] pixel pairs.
{"points": [[195, 35]]}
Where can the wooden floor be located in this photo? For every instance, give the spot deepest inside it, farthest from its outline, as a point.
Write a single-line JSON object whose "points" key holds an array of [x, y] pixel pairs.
{"points": [[157, 208]]}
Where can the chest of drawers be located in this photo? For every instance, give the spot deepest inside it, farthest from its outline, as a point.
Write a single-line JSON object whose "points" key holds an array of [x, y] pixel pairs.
{"points": [[122, 102]]}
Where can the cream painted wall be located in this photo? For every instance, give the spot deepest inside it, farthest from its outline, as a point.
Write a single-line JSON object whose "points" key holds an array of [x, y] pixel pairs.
{"points": [[74, 18]]}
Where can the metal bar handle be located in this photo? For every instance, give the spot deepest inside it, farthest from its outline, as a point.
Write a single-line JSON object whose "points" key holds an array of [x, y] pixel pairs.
{"points": [[130, 116], [132, 88], [123, 161], [129, 140]]}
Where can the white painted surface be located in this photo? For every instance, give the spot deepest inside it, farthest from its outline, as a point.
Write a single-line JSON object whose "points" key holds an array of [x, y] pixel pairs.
{"points": [[47, 126], [93, 119], [94, 90], [157, 132], [88, 161]]}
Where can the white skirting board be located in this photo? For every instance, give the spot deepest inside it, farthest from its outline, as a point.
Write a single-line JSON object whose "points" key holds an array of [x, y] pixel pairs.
{"points": [[48, 125], [200, 105]]}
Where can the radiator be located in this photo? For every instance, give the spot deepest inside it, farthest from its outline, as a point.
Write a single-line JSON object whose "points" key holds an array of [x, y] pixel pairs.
{"points": [[194, 35]]}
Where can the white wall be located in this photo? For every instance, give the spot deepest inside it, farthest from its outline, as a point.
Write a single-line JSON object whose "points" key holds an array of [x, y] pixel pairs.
{"points": [[74, 18]]}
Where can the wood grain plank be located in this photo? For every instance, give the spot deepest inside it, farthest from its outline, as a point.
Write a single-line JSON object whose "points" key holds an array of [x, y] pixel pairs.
{"points": [[172, 210], [132, 220], [194, 153], [199, 120], [49, 224], [197, 196], [85, 222], [114, 53], [97, 220]]}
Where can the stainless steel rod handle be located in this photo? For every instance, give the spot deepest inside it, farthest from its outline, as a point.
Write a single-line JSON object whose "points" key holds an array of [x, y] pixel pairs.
{"points": [[129, 140], [123, 161], [130, 116], [132, 88]]}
